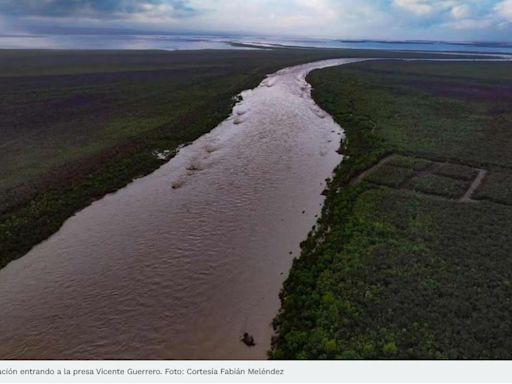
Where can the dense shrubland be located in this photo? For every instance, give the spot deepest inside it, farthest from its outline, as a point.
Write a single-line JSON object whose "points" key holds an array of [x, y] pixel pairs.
{"points": [[392, 274]]}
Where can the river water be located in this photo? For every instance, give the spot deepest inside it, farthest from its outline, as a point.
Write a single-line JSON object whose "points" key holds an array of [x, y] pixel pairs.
{"points": [[180, 263]]}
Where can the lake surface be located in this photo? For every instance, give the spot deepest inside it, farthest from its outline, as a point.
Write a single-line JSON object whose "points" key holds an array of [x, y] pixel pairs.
{"points": [[425, 46], [193, 42], [180, 263], [123, 42]]}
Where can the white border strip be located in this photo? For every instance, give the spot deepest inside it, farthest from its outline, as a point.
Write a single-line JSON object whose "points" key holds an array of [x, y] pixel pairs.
{"points": [[256, 372]]}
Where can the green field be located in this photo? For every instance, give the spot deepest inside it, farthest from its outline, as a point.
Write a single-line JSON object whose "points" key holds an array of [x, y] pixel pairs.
{"points": [[399, 267]]}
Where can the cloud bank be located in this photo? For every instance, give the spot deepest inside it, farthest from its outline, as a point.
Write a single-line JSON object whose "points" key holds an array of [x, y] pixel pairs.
{"points": [[348, 19]]}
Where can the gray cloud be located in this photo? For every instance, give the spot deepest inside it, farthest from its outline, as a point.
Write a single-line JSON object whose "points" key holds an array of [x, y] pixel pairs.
{"points": [[384, 19], [93, 8]]}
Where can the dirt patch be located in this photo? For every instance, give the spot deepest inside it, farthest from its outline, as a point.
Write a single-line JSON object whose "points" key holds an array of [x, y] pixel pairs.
{"points": [[468, 196]]}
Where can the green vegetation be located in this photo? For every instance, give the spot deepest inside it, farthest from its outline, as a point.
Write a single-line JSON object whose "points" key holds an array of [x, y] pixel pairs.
{"points": [[392, 274], [390, 176], [457, 172], [410, 162], [438, 185], [497, 187]]}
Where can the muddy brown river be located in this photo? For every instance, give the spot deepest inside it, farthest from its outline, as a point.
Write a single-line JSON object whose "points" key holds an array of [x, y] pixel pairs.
{"points": [[180, 263]]}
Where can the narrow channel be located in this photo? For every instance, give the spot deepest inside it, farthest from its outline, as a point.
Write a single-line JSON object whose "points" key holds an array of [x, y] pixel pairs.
{"points": [[180, 263]]}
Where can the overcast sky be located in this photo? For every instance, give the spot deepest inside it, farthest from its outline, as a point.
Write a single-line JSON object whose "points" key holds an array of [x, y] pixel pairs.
{"points": [[350, 19]]}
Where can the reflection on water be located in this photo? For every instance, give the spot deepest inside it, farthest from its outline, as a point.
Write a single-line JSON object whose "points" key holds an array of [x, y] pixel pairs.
{"points": [[179, 264]]}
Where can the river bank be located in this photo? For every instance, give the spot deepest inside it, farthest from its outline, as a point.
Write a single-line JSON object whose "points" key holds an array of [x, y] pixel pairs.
{"points": [[401, 266]]}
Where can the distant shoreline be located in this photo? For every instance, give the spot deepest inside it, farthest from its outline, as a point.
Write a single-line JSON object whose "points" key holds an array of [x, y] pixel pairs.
{"points": [[134, 41]]}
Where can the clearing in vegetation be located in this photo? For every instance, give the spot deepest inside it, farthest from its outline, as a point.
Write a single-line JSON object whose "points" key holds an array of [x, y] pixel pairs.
{"points": [[448, 180]]}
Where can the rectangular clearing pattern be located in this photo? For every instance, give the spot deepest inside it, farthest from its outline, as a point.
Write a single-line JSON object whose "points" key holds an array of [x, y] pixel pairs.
{"points": [[458, 182]]}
